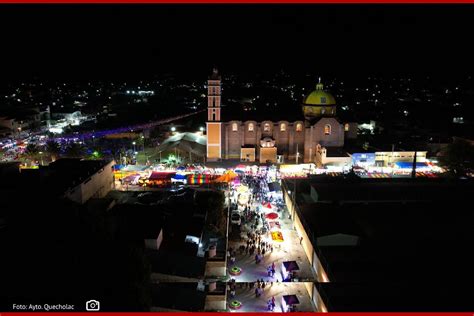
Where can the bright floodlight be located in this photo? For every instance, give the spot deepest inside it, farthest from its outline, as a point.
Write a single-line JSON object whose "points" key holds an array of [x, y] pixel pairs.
{"points": [[201, 129], [173, 129]]}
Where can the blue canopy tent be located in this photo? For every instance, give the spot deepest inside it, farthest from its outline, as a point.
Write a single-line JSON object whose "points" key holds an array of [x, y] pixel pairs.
{"points": [[118, 167], [409, 165]]}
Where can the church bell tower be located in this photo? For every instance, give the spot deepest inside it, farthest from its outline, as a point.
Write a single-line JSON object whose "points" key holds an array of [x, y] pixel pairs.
{"points": [[214, 125]]}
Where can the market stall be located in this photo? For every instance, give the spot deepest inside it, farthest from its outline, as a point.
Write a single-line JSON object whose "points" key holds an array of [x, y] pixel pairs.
{"points": [[289, 302], [289, 270], [200, 178], [157, 178]]}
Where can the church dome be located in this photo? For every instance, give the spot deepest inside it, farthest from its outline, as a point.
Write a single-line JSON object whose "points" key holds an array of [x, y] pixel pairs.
{"points": [[319, 97]]}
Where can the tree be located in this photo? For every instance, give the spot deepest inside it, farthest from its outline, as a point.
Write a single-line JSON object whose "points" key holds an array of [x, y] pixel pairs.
{"points": [[458, 157], [53, 149], [213, 203], [31, 151], [74, 150]]}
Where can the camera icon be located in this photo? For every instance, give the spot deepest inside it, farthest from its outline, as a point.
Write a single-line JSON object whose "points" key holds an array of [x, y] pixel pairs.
{"points": [[92, 306]]}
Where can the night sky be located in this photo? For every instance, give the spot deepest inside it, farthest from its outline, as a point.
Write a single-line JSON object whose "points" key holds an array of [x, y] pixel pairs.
{"points": [[118, 41]]}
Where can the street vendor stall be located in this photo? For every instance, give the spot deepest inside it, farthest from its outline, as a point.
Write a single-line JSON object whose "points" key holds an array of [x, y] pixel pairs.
{"points": [[274, 225], [289, 302], [297, 171], [157, 178], [271, 216], [180, 178], [200, 178], [267, 206], [288, 270], [227, 177]]}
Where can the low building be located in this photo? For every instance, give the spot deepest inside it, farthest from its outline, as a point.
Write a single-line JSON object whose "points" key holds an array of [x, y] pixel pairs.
{"points": [[82, 179], [371, 236], [20, 118]]}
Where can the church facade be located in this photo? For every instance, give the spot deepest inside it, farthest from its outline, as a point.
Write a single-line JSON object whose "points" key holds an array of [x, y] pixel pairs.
{"points": [[302, 140]]}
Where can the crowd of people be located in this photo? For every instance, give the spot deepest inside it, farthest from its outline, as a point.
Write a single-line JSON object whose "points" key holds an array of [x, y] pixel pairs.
{"points": [[253, 219], [255, 229]]}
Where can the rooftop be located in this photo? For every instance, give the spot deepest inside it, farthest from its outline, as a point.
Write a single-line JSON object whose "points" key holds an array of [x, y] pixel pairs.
{"points": [[385, 238], [402, 297]]}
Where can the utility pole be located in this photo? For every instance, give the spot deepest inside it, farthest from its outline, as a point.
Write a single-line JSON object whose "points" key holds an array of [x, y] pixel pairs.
{"points": [[297, 153], [413, 169], [391, 158]]}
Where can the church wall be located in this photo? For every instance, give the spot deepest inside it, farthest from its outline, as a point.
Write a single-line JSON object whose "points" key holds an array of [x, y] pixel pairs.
{"points": [[309, 144], [250, 137], [286, 141], [282, 137], [352, 132], [267, 133], [234, 142], [299, 138], [336, 138]]}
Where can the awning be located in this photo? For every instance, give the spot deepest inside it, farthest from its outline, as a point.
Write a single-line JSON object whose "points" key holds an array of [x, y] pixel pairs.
{"points": [[274, 225], [271, 216], [291, 299], [291, 265], [409, 165], [161, 175], [267, 205]]}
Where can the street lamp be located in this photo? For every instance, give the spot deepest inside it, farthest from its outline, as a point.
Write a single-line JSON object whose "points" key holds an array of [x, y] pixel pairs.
{"points": [[41, 155], [134, 143], [173, 129], [201, 129]]}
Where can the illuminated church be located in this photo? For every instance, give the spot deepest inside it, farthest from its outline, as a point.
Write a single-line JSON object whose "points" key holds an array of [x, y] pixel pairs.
{"points": [[311, 134]]}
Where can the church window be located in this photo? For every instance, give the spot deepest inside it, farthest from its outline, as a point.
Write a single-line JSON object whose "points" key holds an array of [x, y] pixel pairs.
{"points": [[250, 127], [283, 127], [299, 127], [266, 127], [327, 129], [323, 99], [234, 127], [346, 127]]}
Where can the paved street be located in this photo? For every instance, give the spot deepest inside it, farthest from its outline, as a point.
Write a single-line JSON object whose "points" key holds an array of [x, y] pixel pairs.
{"points": [[262, 215], [245, 294], [290, 250]]}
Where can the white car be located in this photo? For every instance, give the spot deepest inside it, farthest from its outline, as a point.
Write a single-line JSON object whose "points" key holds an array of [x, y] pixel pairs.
{"points": [[235, 218]]}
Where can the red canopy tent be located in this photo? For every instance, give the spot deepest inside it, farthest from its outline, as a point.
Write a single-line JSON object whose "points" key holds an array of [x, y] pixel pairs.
{"points": [[271, 216], [267, 205]]}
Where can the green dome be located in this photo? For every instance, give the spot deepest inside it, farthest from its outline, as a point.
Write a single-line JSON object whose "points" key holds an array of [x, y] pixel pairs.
{"points": [[319, 97]]}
